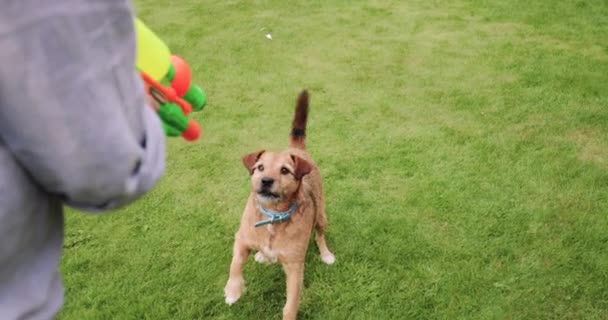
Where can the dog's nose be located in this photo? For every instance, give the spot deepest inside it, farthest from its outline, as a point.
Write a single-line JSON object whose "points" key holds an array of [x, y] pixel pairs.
{"points": [[267, 181]]}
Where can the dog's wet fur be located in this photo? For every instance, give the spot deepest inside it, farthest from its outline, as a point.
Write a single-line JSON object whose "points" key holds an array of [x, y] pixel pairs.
{"points": [[279, 179]]}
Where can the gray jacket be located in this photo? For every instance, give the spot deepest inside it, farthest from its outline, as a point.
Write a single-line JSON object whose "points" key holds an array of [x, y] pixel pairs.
{"points": [[74, 130]]}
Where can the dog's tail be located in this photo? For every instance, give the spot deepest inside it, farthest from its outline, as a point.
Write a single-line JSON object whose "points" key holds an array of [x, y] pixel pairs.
{"points": [[297, 136]]}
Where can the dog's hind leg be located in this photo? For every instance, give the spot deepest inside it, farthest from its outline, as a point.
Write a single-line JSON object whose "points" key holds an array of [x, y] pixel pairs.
{"points": [[320, 226], [260, 257], [236, 284]]}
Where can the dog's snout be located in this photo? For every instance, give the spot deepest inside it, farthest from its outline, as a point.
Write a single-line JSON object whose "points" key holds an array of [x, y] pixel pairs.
{"points": [[267, 181]]}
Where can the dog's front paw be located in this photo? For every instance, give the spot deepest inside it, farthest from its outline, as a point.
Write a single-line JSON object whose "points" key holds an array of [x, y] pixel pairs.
{"points": [[328, 258], [260, 257], [233, 290]]}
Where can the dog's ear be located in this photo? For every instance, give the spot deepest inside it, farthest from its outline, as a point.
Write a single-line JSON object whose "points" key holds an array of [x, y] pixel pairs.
{"points": [[302, 167], [249, 160]]}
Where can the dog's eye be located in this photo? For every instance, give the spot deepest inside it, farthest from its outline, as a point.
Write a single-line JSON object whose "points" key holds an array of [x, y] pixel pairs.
{"points": [[261, 167], [284, 170]]}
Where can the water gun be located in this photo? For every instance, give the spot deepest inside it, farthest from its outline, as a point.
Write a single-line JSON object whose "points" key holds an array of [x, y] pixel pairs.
{"points": [[168, 79]]}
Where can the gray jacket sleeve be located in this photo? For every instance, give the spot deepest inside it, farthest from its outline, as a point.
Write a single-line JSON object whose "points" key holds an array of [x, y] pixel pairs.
{"points": [[72, 109]]}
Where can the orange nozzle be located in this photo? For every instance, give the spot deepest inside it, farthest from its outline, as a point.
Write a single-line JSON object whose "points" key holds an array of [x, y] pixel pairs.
{"points": [[192, 132]]}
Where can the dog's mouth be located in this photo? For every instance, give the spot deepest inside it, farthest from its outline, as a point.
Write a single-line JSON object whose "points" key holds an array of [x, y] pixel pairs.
{"points": [[268, 194]]}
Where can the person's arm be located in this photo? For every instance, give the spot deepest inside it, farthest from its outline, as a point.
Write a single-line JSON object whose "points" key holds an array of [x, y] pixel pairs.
{"points": [[72, 107]]}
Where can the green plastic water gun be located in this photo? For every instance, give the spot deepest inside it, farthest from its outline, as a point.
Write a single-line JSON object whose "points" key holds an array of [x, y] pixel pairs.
{"points": [[168, 80]]}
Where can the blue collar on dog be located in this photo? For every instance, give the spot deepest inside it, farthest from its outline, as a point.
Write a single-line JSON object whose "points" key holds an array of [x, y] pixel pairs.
{"points": [[275, 217]]}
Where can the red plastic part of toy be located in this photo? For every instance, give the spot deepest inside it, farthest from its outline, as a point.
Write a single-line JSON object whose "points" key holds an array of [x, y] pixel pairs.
{"points": [[182, 78], [168, 93], [192, 132]]}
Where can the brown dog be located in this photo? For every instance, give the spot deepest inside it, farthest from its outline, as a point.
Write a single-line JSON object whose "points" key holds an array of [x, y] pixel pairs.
{"points": [[285, 203]]}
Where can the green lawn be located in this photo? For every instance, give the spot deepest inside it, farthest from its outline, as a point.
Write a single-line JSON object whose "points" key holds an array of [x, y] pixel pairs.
{"points": [[464, 147]]}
